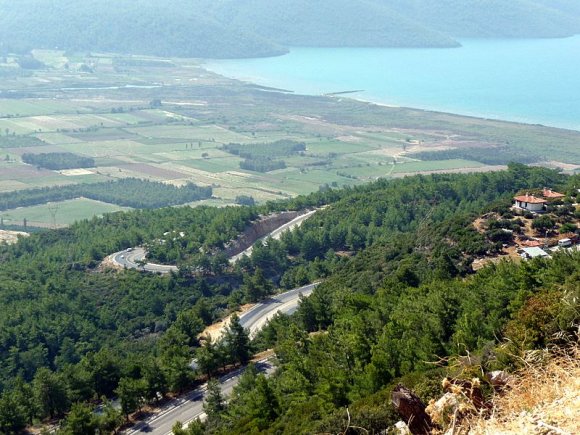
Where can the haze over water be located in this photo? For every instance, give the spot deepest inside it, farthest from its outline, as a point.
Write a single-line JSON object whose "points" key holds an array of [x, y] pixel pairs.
{"points": [[534, 80]]}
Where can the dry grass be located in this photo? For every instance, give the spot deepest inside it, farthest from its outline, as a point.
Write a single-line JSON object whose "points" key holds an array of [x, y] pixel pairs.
{"points": [[542, 399], [10, 237], [217, 330]]}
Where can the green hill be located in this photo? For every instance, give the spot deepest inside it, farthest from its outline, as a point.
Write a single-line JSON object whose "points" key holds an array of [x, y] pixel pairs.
{"points": [[493, 18], [329, 23], [399, 292], [137, 27], [255, 28]]}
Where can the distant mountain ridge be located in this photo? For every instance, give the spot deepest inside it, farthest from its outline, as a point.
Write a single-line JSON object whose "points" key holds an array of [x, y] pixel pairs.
{"points": [[258, 28]]}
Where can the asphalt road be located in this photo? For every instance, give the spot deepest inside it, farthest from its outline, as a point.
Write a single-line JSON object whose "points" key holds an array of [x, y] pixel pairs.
{"points": [[256, 317], [131, 258], [190, 406], [275, 234]]}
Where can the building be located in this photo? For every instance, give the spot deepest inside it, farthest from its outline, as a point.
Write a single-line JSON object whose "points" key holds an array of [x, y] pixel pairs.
{"points": [[534, 253], [550, 194], [530, 203], [531, 243]]}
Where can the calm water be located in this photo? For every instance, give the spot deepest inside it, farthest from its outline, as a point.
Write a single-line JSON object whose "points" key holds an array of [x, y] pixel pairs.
{"points": [[535, 81]]}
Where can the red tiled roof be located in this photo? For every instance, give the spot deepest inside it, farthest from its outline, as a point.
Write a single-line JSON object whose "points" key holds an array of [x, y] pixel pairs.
{"points": [[531, 243], [549, 193], [530, 199]]}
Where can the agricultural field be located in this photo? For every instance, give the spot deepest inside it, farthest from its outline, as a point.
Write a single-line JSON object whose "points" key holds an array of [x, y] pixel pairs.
{"points": [[170, 124], [58, 214]]}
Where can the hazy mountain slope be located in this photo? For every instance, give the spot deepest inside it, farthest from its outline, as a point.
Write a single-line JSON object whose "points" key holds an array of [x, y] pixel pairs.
{"points": [[255, 28], [570, 8], [493, 18], [565, 6], [328, 23], [141, 26]]}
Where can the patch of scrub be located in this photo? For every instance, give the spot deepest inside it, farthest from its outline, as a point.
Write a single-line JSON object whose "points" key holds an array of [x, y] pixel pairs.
{"points": [[75, 172]]}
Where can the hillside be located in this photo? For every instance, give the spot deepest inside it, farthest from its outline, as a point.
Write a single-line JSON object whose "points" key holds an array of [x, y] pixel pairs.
{"points": [[256, 28], [542, 397], [329, 23], [493, 18], [399, 292], [141, 27], [401, 306]]}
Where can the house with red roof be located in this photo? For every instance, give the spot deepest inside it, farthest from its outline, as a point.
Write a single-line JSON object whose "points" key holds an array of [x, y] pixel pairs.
{"points": [[530, 203], [550, 194], [531, 243]]}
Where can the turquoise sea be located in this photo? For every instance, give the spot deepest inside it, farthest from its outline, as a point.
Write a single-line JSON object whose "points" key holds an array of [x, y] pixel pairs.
{"points": [[526, 80]]}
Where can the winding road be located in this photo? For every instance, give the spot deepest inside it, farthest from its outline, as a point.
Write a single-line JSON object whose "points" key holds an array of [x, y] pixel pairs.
{"points": [[296, 222], [134, 258], [190, 406]]}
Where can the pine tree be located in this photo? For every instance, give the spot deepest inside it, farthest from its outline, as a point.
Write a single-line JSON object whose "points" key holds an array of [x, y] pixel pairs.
{"points": [[214, 405], [238, 341]]}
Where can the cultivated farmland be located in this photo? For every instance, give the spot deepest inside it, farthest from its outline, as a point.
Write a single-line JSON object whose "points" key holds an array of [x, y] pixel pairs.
{"points": [[172, 125]]}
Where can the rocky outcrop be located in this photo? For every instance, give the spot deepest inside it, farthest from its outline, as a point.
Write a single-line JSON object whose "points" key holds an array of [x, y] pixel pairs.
{"points": [[258, 229]]}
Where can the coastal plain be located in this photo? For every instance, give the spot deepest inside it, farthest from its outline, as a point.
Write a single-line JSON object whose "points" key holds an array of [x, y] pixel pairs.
{"points": [[168, 120]]}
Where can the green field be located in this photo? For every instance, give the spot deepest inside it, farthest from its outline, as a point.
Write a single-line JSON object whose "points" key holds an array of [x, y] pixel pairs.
{"points": [[66, 212], [438, 165], [347, 142]]}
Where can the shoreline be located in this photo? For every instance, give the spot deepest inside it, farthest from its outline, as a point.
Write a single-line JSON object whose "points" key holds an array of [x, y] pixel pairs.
{"points": [[462, 115], [539, 102], [345, 95]]}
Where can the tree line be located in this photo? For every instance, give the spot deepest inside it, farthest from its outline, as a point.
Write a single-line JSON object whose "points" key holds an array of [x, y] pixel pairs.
{"points": [[264, 157], [499, 155], [127, 192], [280, 148], [262, 164], [58, 161]]}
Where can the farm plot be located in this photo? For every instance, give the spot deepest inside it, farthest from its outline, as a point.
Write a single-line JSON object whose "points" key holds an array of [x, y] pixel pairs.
{"points": [[214, 165], [228, 195], [45, 123], [37, 150], [102, 134], [111, 148], [10, 185], [67, 212], [208, 133], [368, 171], [55, 138], [31, 107], [23, 172], [180, 154], [151, 171], [439, 165], [337, 147], [319, 177]]}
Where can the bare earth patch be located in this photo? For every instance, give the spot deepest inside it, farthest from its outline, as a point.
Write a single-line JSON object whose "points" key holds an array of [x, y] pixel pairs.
{"points": [[216, 330], [11, 237], [565, 166], [75, 172], [349, 139], [153, 171], [452, 143]]}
